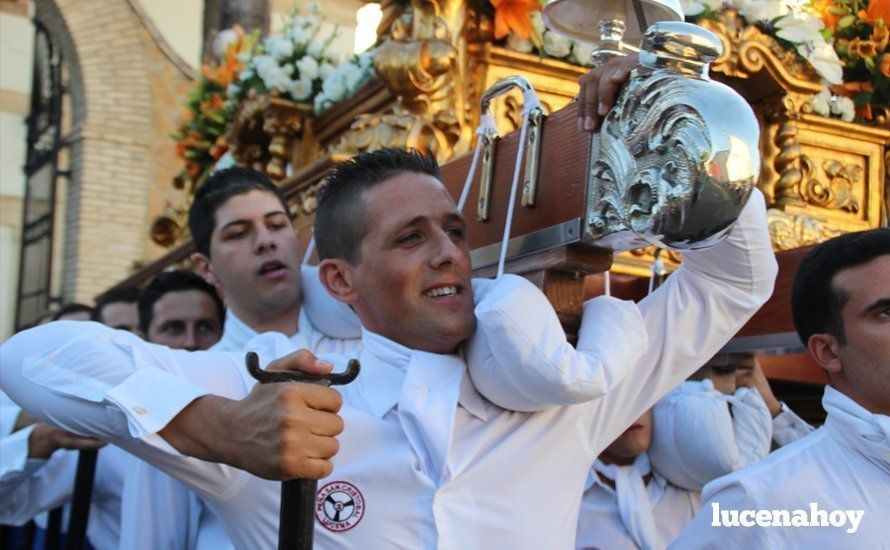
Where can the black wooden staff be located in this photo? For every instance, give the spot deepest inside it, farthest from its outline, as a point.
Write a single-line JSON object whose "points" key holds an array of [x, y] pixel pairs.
{"points": [[80, 501], [296, 520]]}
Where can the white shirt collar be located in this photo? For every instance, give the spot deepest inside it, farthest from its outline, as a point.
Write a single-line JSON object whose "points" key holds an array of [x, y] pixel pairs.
{"points": [[384, 366], [237, 333]]}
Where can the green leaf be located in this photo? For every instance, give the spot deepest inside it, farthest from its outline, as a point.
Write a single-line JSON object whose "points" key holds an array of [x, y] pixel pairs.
{"points": [[846, 21]]}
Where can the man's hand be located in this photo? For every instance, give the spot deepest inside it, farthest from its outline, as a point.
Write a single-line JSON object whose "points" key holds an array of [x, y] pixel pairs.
{"points": [[599, 88], [754, 378], [279, 431], [45, 440]]}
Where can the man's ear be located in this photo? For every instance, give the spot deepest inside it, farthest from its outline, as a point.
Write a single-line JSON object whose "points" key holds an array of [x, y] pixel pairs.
{"points": [[338, 279], [204, 269], [825, 349]]}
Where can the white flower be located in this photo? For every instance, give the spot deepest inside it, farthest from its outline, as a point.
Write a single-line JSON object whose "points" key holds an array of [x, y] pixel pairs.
{"points": [[301, 89], [821, 102], [519, 44], [308, 67], [556, 45], [366, 59], [334, 88], [233, 90], [761, 10], [222, 40], [353, 77], [265, 64], [824, 59], [692, 8], [279, 47], [581, 52], [843, 107], [316, 49], [325, 71], [298, 35], [277, 80], [246, 73], [799, 28]]}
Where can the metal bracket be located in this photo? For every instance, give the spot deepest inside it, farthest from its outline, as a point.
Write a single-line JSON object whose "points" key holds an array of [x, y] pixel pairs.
{"points": [[532, 156], [483, 208]]}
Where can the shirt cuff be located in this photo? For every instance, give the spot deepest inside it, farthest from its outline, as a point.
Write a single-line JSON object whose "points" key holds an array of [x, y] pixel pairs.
{"points": [[14, 454], [151, 398], [788, 427]]}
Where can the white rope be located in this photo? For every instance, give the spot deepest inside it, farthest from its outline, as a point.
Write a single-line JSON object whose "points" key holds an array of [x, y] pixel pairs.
{"points": [[657, 268], [508, 223], [486, 125], [309, 249]]}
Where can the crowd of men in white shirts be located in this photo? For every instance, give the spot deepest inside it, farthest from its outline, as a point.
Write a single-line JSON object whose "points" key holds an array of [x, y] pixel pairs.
{"points": [[473, 422]]}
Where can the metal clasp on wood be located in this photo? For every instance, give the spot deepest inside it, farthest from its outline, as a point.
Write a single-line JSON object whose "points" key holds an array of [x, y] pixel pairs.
{"points": [[534, 118]]}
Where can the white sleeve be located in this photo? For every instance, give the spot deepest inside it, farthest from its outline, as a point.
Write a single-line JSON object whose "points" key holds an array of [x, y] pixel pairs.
{"points": [[689, 318], [88, 379], [752, 426], [41, 490], [156, 510], [9, 413], [788, 427], [520, 359], [15, 466]]}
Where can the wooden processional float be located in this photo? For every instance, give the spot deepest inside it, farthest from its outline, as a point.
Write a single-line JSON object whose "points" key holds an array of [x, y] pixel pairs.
{"points": [[672, 164]]}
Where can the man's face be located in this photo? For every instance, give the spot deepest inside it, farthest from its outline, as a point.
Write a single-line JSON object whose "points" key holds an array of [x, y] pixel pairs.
{"points": [[634, 440], [121, 315], [254, 254], [866, 355], [412, 283], [185, 319]]}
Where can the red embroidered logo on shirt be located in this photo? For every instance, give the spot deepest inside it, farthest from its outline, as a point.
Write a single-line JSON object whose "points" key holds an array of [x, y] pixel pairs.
{"points": [[339, 506]]}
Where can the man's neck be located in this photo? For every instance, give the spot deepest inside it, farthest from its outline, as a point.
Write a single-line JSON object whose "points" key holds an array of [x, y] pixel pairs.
{"points": [[608, 458], [286, 322]]}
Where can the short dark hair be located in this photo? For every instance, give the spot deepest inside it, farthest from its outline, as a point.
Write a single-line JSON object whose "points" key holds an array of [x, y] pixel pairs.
{"points": [[216, 191], [816, 304], [179, 280], [72, 308], [127, 295], [340, 222]]}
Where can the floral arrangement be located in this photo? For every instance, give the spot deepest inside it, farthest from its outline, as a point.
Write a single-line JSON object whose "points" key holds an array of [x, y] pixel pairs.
{"points": [[844, 40], [299, 65], [201, 128], [519, 21]]}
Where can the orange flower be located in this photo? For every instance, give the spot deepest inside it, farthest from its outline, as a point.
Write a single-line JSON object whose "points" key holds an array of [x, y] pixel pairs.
{"points": [[513, 15], [850, 89], [877, 9], [823, 9], [880, 37], [863, 48]]}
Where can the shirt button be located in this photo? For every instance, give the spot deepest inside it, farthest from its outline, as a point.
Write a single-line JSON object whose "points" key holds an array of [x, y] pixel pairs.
{"points": [[140, 411]]}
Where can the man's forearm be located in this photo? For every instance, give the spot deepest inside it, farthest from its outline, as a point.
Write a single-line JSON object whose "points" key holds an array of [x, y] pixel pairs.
{"points": [[199, 430]]}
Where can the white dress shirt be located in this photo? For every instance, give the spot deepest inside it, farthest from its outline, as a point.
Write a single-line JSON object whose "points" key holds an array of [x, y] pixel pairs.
{"points": [[844, 465], [153, 498], [475, 475], [53, 483], [601, 526]]}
